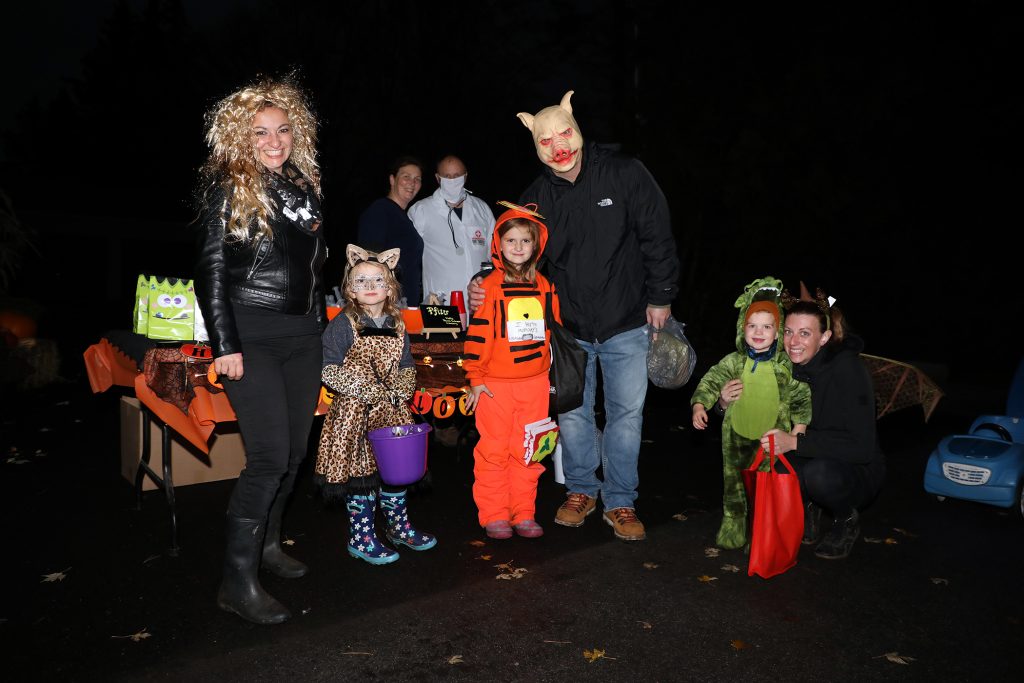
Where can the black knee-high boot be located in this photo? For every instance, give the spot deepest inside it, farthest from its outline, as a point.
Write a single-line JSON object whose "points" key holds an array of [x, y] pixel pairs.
{"points": [[275, 560], [240, 590]]}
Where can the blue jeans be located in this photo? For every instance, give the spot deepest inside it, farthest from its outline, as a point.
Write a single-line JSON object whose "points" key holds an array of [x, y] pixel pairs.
{"points": [[623, 360]]}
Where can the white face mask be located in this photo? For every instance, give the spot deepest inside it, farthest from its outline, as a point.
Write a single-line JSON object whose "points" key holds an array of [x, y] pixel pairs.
{"points": [[453, 189]]}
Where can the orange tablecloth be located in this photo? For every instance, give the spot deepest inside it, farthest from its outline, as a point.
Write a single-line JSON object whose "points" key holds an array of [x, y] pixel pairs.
{"points": [[411, 316], [107, 366]]}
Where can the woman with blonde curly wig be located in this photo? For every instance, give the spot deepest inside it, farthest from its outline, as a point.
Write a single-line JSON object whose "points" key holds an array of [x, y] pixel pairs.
{"points": [[261, 250]]}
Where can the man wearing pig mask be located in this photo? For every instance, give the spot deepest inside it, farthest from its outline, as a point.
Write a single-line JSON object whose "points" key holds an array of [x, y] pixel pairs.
{"points": [[612, 258]]}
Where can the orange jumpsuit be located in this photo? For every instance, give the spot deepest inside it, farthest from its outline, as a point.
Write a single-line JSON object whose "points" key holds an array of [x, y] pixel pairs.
{"points": [[516, 372]]}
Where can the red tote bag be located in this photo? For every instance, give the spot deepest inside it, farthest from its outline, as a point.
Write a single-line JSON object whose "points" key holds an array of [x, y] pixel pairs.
{"points": [[777, 512]]}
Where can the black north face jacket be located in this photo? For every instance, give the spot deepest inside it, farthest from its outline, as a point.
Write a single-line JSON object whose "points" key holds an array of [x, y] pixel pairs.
{"points": [[610, 249]]}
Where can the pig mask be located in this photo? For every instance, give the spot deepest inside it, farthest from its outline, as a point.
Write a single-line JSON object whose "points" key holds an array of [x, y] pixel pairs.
{"points": [[556, 135]]}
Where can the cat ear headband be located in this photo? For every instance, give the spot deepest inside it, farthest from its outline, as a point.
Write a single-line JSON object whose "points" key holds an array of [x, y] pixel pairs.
{"points": [[357, 254]]}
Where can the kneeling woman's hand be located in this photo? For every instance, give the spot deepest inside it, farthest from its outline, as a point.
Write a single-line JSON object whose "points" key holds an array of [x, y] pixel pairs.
{"points": [[784, 441]]}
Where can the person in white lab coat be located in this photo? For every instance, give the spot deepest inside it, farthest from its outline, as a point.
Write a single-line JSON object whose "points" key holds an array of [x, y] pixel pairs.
{"points": [[456, 228]]}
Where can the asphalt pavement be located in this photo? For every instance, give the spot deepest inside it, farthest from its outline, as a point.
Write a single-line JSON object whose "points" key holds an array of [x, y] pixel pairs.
{"points": [[932, 590]]}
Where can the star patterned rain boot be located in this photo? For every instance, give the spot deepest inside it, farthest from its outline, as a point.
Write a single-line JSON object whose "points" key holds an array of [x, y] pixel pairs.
{"points": [[362, 535], [399, 530]]}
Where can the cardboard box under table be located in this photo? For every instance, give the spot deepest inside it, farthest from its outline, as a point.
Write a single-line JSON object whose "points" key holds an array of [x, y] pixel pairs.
{"points": [[225, 459]]}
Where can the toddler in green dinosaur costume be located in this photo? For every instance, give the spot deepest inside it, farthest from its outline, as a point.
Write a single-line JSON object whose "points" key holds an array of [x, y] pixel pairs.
{"points": [[765, 397]]}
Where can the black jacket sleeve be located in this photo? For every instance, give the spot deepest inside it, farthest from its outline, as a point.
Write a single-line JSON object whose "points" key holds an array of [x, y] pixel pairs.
{"points": [[213, 281], [652, 223]]}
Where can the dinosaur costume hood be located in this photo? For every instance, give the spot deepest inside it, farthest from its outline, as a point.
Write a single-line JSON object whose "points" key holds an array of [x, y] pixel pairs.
{"points": [[766, 289]]}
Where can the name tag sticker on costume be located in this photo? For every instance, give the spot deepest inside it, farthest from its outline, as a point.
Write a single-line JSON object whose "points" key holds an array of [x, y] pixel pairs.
{"points": [[525, 330]]}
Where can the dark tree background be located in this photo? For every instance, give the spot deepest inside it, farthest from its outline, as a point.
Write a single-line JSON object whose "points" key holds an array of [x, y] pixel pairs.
{"points": [[864, 151]]}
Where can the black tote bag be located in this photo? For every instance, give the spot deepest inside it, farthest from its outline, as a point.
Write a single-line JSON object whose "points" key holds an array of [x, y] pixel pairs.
{"points": [[568, 366]]}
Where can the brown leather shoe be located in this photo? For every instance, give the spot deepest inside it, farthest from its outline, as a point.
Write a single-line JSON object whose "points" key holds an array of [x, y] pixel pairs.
{"points": [[575, 509], [627, 526]]}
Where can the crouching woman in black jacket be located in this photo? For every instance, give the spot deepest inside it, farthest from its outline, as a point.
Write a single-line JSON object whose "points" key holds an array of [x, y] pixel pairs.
{"points": [[261, 250], [838, 460]]}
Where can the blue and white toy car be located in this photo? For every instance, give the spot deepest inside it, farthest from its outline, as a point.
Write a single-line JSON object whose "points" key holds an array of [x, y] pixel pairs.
{"points": [[985, 465]]}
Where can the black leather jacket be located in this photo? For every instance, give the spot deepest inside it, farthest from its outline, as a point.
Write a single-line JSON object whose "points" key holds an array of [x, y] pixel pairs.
{"points": [[280, 274]]}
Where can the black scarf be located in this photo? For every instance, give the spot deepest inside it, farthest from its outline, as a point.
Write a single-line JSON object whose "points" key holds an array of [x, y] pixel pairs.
{"points": [[296, 199]]}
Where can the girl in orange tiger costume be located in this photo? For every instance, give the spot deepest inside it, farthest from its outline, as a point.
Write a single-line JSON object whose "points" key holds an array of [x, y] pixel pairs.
{"points": [[508, 356]]}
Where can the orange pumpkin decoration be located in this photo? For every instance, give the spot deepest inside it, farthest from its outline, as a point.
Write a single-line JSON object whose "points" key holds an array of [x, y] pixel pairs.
{"points": [[421, 402], [326, 395], [211, 377], [462, 404], [18, 324], [197, 351], [444, 406]]}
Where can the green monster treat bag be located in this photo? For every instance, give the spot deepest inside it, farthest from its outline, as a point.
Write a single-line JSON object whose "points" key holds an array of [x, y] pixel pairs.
{"points": [[171, 310], [140, 317]]}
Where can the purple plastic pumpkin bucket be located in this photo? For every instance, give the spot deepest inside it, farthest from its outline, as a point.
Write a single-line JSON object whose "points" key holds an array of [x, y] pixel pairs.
{"points": [[401, 452]]}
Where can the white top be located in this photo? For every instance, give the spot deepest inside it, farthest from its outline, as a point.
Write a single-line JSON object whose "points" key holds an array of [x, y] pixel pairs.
{"points": [[444, 268]]}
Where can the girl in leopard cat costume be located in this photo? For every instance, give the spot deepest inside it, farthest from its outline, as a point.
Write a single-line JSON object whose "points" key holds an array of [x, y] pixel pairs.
{"points": [[369, 367]]}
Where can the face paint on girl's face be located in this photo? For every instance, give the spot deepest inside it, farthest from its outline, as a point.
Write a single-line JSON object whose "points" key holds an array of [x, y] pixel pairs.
{"points": [[368, 286]]}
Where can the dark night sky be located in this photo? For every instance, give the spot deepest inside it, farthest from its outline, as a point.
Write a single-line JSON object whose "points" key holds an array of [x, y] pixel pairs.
{"points": [[837, 145]]}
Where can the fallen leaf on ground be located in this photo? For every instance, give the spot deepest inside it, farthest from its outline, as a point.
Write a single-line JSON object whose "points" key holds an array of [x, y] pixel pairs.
{"points": [[739, 645], [939, 581], [645, 625], [680, 517], [707, 579], [730, 568], [455, 659], [891, 541], [136, 637], [650, 565], [506, 565], [514, 574], [647, 441], [55, 576], [594, 655], [484, 557], [711, 552], [896, 658], [288, 541], [904, 532], [477, 544]]}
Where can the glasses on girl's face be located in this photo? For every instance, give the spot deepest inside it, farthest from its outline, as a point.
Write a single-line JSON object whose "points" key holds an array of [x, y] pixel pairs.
{"points": [[363, 284]]}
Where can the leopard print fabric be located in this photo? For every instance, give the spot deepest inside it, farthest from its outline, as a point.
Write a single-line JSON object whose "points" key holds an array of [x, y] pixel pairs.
{"points": [[345, 457]]}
